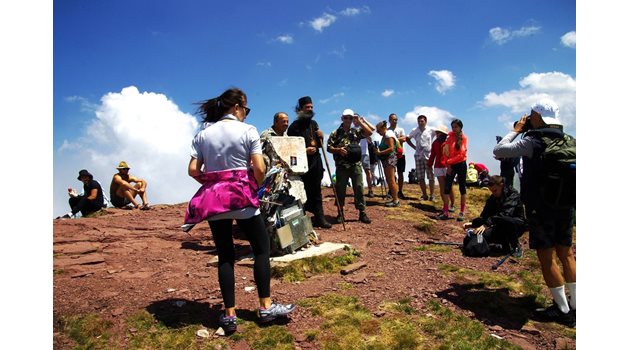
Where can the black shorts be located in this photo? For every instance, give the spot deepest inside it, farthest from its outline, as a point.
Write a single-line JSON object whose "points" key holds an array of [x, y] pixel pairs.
{"points": [[119, 202], [550, 227], [401, 164]]}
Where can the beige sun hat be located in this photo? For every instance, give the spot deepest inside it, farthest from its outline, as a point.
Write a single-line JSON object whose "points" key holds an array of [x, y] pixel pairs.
{"points": [[122, 165], [442, 128]]}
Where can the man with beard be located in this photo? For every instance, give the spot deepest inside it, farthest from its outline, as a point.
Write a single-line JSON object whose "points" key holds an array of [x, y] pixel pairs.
{"points": [[305, 126]]}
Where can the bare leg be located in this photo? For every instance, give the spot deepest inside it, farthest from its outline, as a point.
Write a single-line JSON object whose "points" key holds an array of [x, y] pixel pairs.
{"points": [[390, 175]]}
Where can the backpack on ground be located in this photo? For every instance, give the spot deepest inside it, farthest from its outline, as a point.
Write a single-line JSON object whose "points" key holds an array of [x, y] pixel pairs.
{"points": [[557, 170], [475, 246]]}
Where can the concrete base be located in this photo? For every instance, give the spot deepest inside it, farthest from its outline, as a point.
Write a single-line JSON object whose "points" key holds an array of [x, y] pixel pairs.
{"points": [[321, 249]]}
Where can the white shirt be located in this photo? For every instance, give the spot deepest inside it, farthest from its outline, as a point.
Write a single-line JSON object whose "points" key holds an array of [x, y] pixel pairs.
{"points": [[423, 140], [227, 144]]}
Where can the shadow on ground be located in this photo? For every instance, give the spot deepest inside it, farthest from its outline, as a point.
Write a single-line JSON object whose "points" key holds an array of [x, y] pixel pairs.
{"points": [[495, 306]]}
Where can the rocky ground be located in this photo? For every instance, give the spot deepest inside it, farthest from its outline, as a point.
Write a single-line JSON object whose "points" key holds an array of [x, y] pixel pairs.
{"points": [[128, 260]]}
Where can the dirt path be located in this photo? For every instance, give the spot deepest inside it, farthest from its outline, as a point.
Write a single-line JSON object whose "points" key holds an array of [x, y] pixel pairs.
{"points": [[125, 261]]}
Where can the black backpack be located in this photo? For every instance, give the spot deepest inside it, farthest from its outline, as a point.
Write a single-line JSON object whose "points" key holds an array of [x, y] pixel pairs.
{"points": [[557, 159], [476, 246]]}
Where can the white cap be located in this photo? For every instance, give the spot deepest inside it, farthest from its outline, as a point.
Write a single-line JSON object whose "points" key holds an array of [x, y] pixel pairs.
{"points": [[548, 110], [348, 111]]}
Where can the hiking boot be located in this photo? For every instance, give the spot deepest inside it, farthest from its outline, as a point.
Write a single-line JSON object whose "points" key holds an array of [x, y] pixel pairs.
{"points": [[401, 195], [442, 216], [424, 197], [388, 197], [321, 222], [460, 217], [451, 209], [370, 194], [228, 323], [274, 311], [553, 314], [392, 204], [364, 218]]}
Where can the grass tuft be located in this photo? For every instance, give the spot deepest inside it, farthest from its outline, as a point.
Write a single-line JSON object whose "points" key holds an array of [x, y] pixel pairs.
{"points": [[299, 270], [88, 331]]}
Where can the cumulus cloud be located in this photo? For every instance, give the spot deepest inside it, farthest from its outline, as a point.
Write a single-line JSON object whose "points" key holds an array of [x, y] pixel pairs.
{"points": [[445, 80], [387, 93], [145, 129], [264, 64], [569, 39], [557, 86], [285, 39], [435, 116], [501, 35], [333, 97], [325, 20]]}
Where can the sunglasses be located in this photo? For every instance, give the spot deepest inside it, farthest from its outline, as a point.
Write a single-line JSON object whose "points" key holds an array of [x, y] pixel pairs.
{"points": [[348, 117], [247, 110]]}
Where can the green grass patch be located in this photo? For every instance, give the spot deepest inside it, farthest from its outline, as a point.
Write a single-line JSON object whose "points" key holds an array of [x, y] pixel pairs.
{"points": [[449, 330], [88, 331], [274, 337], [403, 306], [301, 269], [144, 332]]}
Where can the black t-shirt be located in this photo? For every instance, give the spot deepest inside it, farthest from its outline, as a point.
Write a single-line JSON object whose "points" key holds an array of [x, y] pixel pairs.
{"points": [[89, 186]]}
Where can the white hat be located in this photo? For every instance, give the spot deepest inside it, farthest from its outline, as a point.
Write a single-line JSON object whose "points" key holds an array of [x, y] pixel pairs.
{"points": [[442, 128], [348, 111], [548, 110]]}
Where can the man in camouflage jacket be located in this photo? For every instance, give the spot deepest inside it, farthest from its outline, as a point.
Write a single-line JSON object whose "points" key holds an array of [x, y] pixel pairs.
{"points": [[343, 143]]}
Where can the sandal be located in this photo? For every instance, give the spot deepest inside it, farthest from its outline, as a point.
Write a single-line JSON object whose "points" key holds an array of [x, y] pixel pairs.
{"points": [[145, 207]]}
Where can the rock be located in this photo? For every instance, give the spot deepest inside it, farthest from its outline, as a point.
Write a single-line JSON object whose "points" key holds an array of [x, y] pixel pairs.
{"points": [[564, 343], [203, 333], [379, 313], [530, 330], [117, 311], [170, 290], [353, 267], [249, 289], [219, 332]]}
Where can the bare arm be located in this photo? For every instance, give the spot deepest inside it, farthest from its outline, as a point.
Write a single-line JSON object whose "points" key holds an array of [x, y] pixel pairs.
{"points": [[93, 194], [119, 180], [194, 169], [258, 164]]}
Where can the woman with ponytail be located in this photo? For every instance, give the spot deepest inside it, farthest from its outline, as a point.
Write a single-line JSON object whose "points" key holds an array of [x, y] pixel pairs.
{"points": [[226, 158], [454, 150]]}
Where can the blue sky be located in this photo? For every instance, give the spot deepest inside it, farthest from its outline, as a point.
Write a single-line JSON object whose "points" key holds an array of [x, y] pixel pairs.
{"points": [[63, 72], [127, 74]]}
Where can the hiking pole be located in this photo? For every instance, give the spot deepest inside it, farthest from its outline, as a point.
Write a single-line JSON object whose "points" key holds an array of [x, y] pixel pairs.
{"points": [[381, 172], [501, 261], [443, 243], [339, 209]]}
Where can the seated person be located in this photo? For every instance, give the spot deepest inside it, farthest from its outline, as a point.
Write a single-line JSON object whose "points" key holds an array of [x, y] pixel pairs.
{"points": [[91, 200], [502, 220], [122, 192]]}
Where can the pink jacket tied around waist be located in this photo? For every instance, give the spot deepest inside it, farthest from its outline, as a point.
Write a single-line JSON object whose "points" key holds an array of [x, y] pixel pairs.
{"points": [[221, 192]]}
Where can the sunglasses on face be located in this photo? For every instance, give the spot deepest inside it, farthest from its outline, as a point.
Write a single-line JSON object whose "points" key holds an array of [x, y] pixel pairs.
{"points": [[246, 109]]}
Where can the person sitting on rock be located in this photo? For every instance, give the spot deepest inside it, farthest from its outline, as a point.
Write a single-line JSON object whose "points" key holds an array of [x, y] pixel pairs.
{"points": [[90, 201], [123, 193]]}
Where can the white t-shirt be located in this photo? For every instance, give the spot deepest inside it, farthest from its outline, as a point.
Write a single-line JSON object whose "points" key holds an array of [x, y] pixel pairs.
{"points": [[423, 141], [224, 145]]}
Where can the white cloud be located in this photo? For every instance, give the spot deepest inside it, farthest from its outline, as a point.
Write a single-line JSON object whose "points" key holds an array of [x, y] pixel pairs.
{"points": [[285, 39], [387, 93], [333, 97], [322, 22], [557, 86], [435, 116], [445, 80], [569, 39], [353, 11], [145, 129], [502, 36], [264, 64]]}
